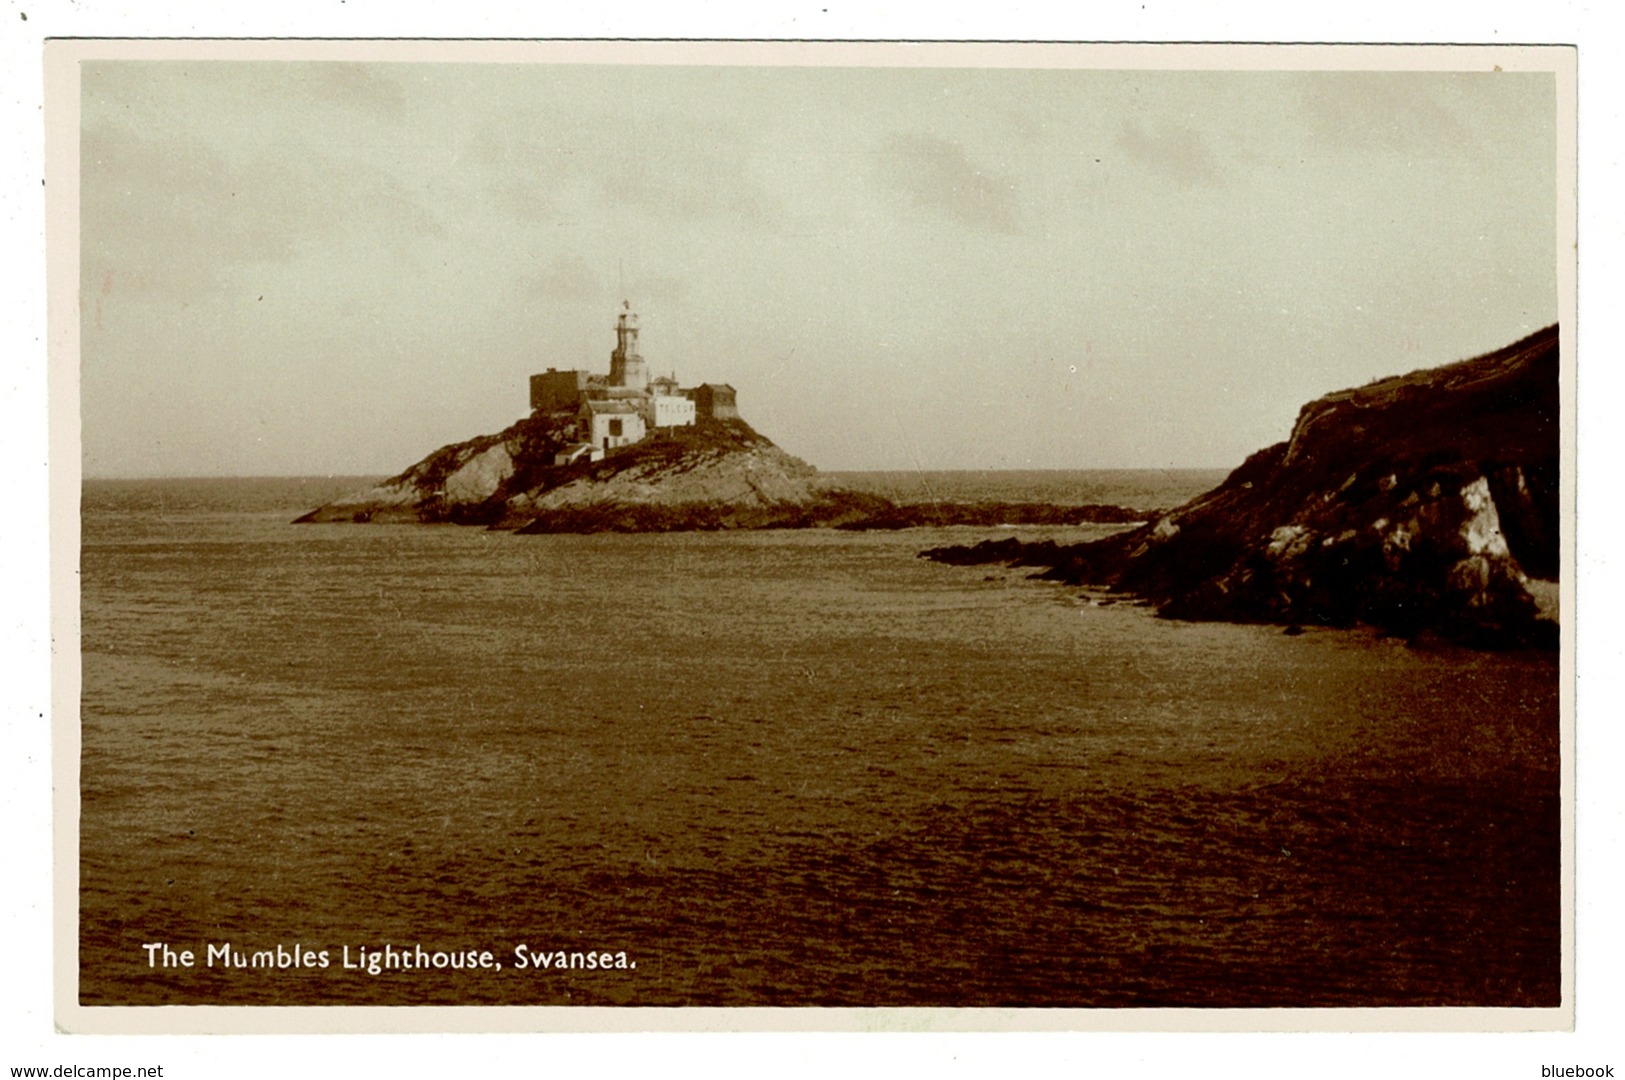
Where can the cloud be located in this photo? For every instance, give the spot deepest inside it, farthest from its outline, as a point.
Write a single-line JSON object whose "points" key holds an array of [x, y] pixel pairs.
{"points": [[1177, 152], [937, 174], [1364, 111], [175, 209], [362, 87], [695, 183], [566, 279], [663, 166], [178, 208]]}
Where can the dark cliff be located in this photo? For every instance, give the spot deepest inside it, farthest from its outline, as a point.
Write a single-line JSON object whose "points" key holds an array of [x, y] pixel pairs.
{"points": [[1426, 501]]}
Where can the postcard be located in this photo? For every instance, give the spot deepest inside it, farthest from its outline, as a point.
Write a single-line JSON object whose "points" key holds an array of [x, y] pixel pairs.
{"points": [[783, 536]]}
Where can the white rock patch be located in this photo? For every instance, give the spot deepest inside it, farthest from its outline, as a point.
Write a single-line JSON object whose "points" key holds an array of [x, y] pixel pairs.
{"points": [[480, 476], [1482, 529]]}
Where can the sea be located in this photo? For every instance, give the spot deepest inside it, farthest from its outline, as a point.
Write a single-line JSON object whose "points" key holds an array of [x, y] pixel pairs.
{"points": [[334, 764]]}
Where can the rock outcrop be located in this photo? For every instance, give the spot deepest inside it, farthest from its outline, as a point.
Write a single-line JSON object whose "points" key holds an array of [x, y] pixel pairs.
{"points": [[1423, 502], [717, 474]]}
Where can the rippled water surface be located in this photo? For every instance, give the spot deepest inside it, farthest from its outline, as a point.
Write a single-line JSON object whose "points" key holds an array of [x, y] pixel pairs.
{"points": [[782, 768]]}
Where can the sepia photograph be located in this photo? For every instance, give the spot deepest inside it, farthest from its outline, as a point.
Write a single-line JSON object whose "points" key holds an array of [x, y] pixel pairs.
{"points": [[1055, 536]]}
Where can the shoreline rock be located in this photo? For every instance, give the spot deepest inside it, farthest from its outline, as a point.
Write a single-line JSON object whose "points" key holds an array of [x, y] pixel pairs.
{"points": [[1423, 503]]}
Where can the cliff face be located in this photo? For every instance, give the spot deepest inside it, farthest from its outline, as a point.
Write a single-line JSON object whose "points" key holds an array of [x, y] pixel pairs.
{"points": [[1424, 501]]}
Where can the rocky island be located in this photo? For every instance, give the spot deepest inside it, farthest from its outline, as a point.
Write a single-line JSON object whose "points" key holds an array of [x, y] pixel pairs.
{"points": [[627, 452], [1426, 502]]}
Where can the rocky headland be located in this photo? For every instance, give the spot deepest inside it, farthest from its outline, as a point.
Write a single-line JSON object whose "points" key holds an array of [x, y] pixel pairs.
{"points": [[1422, 503], [715, 474]]}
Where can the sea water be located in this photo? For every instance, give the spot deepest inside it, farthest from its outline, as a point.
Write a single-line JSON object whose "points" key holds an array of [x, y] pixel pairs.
{"points": [[773, 768]]}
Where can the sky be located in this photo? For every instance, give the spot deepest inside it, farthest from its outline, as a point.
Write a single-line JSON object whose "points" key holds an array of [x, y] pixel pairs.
{"points": [[335, 268]]}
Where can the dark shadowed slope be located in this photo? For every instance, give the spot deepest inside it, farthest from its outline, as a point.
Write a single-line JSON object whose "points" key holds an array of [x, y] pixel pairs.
{"points": [[1423, 501]]}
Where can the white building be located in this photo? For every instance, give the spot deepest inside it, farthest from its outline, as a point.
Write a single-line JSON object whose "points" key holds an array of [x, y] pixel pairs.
{"points": [[671, 410], [611, 423]]}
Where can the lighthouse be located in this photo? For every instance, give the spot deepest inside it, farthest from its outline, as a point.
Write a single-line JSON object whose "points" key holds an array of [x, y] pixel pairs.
{"points": [[626, 367]]}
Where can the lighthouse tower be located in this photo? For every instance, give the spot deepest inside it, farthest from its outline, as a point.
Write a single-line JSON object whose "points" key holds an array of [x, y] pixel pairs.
{"points": [[627, 369]]}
